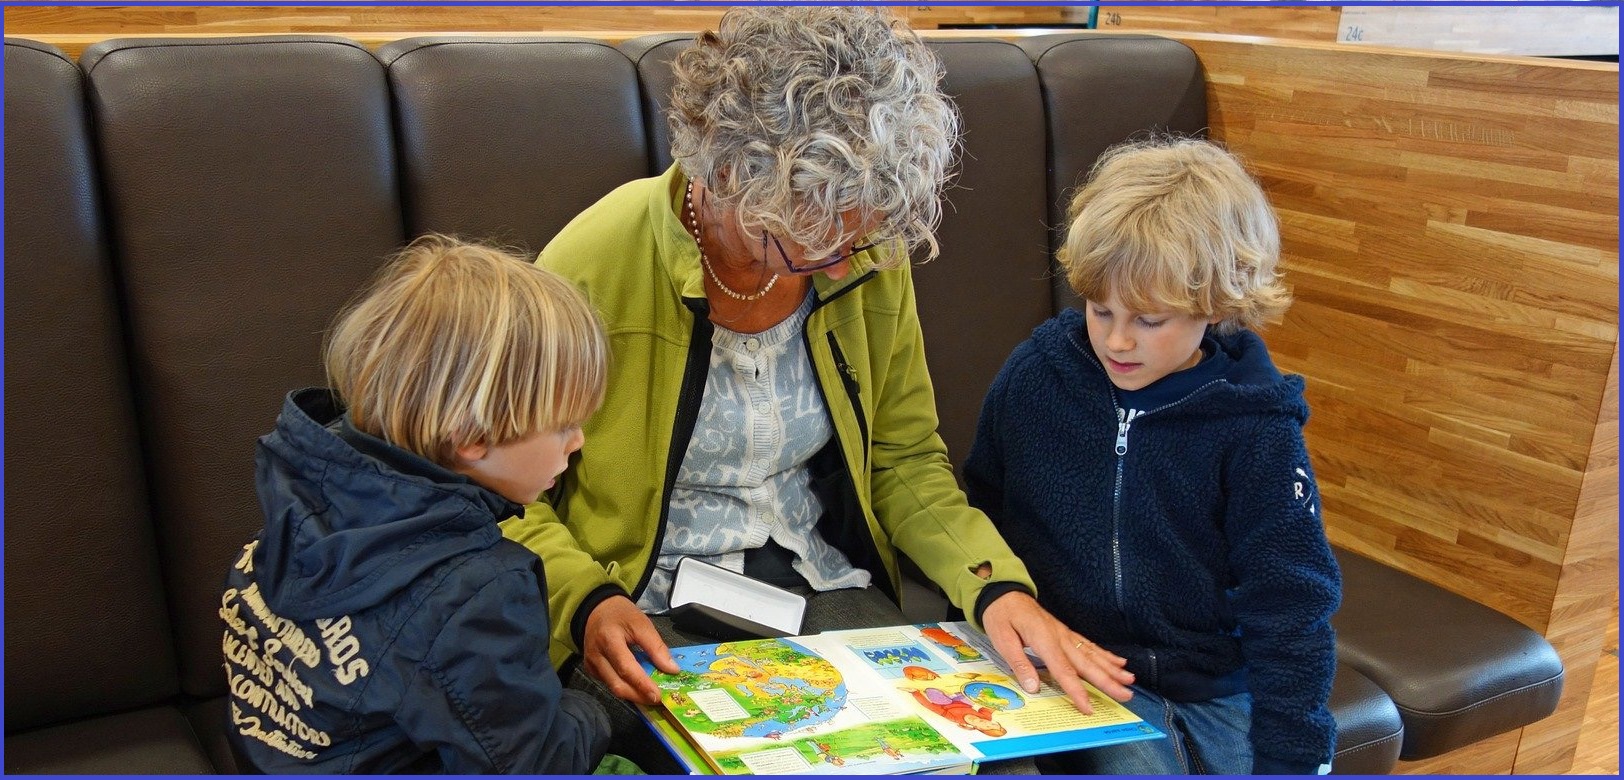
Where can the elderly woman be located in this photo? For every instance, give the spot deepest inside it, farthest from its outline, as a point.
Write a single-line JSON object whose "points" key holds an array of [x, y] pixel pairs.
{"points": [[768, 408]]}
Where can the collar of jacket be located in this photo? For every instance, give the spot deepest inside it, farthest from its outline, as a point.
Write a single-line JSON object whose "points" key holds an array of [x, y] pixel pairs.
{"points": [[325, 413]]}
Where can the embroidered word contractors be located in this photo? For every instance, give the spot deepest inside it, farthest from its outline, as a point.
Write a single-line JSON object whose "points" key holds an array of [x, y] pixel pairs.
{"points": [[265, 655]]}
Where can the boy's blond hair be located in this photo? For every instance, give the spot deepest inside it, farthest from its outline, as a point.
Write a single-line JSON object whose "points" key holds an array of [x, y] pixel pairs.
{"points": [[457, 343], [1176, 224]]}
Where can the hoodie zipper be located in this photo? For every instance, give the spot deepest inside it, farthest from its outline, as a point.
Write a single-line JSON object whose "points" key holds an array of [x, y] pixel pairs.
{"points": [[1124, 421], [1124, 424]]}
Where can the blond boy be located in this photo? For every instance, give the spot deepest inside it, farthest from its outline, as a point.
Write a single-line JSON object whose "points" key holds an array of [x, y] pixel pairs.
{"points": [[379, 622], [1145, 459]]}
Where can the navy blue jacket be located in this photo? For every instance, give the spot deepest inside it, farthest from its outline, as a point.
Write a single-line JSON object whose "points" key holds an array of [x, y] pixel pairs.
{"points": [[380, 623], [1188, 541]]}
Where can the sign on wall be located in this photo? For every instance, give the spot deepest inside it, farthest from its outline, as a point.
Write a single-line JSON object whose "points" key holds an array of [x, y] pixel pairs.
{"points": [[1577, 30]]}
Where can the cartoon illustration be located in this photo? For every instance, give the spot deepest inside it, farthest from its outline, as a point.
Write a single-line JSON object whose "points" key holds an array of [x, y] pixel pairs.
{"points": [[781, 686], [958, 706], [889, 659], [998, 697], [957, 644], [959, 709], [893, 656], [827, 753], [918, 673]]}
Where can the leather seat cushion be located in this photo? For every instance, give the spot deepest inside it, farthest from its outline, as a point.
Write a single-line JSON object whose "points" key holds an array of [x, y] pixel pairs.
{"points": [[1458, 671], [1369, 731], [158, 740]]}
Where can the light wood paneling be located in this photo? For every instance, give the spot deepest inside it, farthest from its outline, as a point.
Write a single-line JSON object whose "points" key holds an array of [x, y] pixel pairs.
{"points": [[74, 44], [72, 28], [1586, 600], [1450, 229], [1598, 738], [1492, 756], [248, 20], [1598, 742], [242, 20], [1307, 22]]}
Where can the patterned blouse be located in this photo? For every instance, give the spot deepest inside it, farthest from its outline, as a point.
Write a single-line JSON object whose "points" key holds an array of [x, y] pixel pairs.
{"points": [[744, 478]]}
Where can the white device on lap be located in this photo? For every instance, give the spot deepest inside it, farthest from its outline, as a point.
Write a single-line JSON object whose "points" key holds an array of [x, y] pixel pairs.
{"points": [[718, 602]]}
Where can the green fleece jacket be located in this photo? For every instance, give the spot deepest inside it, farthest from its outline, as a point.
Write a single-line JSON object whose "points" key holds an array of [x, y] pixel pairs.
{"points": [[885, 481]]}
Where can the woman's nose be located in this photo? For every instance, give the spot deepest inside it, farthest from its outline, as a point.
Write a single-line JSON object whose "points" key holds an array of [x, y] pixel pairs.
{"points": [[838, 271]]}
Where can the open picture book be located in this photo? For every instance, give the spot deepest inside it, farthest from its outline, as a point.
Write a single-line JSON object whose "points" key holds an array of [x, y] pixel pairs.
{"points": [[931, 698]]}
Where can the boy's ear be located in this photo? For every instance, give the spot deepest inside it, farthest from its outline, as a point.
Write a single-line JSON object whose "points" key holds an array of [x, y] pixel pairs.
{"points": [[473, 452]]}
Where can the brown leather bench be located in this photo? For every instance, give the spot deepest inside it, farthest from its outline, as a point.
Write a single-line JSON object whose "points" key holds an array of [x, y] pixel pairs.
{"points": [[184, 217], [1457, 671]]}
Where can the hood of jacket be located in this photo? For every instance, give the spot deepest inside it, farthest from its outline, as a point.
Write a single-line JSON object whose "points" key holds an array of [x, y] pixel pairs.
{"points": [[1251, 385], [350, 520]]}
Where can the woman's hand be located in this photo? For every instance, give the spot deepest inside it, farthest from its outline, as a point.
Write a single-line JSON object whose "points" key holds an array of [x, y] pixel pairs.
{"points": [[1014, 621], [615, 626]]}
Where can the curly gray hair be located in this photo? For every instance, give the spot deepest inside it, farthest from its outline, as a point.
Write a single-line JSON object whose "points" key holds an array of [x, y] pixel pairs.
{"points": [[794, 116]]}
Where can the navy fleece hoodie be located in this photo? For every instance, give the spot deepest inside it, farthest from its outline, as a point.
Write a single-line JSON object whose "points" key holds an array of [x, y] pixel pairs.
{"points": [[380, 623], [1187, 539]]}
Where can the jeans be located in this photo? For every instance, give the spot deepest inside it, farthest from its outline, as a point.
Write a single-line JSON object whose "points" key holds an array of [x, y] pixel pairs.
{"points": [[1203, 738]]}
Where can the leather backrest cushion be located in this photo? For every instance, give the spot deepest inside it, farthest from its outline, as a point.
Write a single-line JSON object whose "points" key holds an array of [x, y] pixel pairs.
{"points": [[507, 139], [253, 191], [988, 289], [1101, 89], [652, 55], [86, 628]]}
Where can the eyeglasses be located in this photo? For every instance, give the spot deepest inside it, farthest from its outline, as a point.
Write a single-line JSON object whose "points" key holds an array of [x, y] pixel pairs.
{"points": [[832, 260]]}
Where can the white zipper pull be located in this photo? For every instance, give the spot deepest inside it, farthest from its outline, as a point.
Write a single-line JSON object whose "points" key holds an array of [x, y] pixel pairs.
{"points": [[1123, 421]]}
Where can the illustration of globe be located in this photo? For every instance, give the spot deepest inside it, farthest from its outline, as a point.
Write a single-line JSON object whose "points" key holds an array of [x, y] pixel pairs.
{"points": [[780, 685]]}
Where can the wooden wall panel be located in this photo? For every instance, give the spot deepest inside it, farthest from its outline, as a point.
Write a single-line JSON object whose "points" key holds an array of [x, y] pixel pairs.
{"points": [[231, 20], [1585, 607], [1450, 230], [72, 28], [1493, 756], [1308, 22]]}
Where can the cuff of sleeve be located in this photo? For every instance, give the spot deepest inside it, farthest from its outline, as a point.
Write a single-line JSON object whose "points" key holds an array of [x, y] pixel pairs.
{"points": [[1266, 765], [990, 593], [584, 611]]}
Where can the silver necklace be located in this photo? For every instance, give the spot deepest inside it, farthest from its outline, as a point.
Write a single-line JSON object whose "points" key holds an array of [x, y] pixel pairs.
{"points": [[704, 259]]}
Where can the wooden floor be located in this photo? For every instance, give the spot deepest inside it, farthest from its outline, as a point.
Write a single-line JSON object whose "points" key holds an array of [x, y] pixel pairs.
{"points": [[1598, 739]]}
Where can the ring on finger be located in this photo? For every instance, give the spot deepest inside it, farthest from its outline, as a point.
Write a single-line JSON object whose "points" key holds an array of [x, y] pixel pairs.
{"points": [[1080, 644]]}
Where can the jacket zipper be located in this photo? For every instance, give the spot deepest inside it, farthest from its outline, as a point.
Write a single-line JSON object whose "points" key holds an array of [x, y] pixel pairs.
{"points": [[1124, 423], [848, 375], [692, 391], [848, 380]]}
